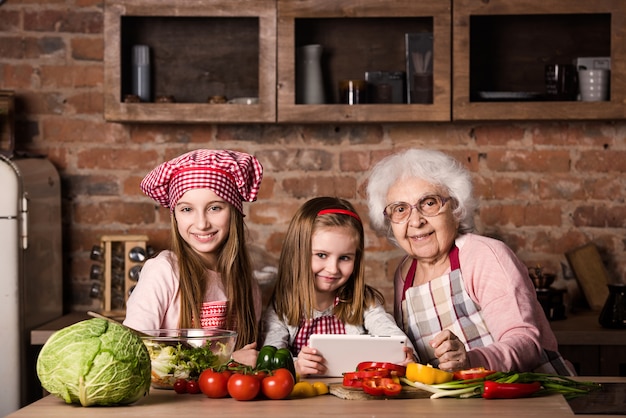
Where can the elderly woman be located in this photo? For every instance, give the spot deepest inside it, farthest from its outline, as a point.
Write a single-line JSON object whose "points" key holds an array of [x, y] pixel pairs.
{"points": [[463, 299]]}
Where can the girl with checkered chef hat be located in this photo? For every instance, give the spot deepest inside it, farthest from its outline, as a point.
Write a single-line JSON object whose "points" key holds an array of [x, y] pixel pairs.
{"points": [[206, 279]]}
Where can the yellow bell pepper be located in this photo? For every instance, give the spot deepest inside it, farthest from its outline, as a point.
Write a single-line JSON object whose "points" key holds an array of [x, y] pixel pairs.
{"points": [[427, 374]]}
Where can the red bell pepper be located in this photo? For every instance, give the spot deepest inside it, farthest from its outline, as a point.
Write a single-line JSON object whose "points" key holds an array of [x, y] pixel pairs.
{"points": [[381, 386], [355, 379], [495, 390], [474, 373], [394, 369]]}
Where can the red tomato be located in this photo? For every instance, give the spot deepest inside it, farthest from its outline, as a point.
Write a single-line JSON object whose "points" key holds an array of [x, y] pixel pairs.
{"points": [[260, 374], [193, 387], [243, 387], [279, 385], [180, 386], [214, 384], [475, 373]]}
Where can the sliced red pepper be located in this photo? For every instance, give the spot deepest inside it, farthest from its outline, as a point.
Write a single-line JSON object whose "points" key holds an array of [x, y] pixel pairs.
{"points": [[371, 387], [474, 373], [381, 386], [396, 369], [391, 388], [495, 390], [351, 380], [355, 379]]}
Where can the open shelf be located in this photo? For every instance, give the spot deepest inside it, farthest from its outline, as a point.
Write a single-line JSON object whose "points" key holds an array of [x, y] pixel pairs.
{"points": [[501, 49], [198, 50], [358, 37]]}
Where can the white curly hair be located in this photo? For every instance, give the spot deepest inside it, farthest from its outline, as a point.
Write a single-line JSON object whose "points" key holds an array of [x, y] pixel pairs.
{"points": [[432, 166]]}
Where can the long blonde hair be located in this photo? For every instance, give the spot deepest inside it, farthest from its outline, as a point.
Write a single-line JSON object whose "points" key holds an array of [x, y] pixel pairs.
{"points": [[233, 265], [294, 293]]}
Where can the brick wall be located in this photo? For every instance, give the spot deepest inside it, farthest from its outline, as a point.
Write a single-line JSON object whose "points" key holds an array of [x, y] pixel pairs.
{"points": [[545, 187]]}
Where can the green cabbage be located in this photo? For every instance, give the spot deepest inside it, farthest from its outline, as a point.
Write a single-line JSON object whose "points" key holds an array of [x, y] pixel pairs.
{"points": [[95, 362]]}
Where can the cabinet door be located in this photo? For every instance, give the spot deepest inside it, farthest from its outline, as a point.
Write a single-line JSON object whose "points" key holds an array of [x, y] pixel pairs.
{"points": [[359, 36], [198, 50], [501, 49]]}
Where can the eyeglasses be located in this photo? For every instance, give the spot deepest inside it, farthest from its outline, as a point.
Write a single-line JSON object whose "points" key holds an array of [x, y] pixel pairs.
{"points": [[399, 212]]}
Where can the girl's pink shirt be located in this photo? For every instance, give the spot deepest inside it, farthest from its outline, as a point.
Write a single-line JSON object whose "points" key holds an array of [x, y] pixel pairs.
{"points": [[155, 302], [497, 281]]}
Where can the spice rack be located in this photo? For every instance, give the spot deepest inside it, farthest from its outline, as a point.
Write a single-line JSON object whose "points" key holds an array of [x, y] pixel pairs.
{"points": [[121, 258]]}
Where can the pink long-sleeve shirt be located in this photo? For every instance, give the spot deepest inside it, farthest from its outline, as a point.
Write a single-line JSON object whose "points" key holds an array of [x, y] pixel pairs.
{"points": [[155, 301], [497, 281]]}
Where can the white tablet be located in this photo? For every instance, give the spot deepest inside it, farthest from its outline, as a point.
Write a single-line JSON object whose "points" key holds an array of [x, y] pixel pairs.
{"points": [[344, 352]]}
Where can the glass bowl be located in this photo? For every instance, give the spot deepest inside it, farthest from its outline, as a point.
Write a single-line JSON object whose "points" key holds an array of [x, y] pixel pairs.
{"points": [[185, 353]]}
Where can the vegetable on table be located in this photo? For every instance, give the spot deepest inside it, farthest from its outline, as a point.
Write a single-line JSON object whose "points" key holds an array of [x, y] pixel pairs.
{"points": [[278, 384], [381, 386], [496, 390], [376, 379], [303, 390], [496, 384], [95, 362], [179, 361], [473, 373], [427, 374], [394, 369], [271, 358]]}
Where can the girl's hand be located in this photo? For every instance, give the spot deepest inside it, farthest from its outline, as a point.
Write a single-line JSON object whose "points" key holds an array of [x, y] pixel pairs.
{"points": [[410, 356], [246, 355], [450, 351], [309, 362]]}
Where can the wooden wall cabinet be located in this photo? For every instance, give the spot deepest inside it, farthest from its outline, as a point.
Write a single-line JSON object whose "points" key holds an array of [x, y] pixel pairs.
{"points": [[502, 46], [359, 36], [238, 48], [199, 49]]}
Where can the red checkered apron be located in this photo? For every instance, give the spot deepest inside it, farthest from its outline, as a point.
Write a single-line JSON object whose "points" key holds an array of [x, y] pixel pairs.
{"points": [[213, 314], [327, 324], [443, 303]]}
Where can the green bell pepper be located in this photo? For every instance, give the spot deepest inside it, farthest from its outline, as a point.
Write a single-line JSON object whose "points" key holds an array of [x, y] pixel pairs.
{"points": [[270, 358]]}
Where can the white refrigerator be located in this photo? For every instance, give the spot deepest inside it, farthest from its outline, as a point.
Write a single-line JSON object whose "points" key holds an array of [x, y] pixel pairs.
{"points": [[31, 284]]}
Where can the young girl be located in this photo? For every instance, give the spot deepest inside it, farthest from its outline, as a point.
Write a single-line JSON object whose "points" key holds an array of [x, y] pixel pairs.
{"points": [[321, 285], [206, 280]]}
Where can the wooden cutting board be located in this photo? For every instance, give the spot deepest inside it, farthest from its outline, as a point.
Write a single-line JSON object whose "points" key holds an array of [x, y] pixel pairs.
{"points": [[343, 392]]}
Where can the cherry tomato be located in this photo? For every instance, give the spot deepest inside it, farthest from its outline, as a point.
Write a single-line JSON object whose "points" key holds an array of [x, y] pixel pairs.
{"points": [[243, 387], [180, 386], [193, 387], [214, 384], [279, 385]]}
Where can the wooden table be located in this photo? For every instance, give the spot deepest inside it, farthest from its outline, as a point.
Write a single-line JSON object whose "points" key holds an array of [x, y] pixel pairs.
{"points": [[167, 404]]}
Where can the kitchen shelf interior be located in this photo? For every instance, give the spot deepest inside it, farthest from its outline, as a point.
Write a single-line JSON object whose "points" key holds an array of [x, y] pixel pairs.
{"points": [[194, 58], [354, 46], [508, 53]]}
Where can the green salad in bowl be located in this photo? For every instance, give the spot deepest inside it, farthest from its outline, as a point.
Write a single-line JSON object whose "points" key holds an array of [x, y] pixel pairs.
{"points": [[185, 353]]}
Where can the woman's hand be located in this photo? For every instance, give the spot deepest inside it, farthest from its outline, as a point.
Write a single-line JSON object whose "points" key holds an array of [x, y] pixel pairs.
{"points": [[450, 351], [246, 355], [309, 362]]}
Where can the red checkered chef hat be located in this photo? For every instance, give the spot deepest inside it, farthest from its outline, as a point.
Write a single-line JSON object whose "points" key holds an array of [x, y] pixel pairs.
{"points": [[234, 176]]}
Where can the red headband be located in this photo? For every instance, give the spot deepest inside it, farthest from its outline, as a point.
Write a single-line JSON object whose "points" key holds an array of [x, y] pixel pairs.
{"points": [[339, 211]]}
